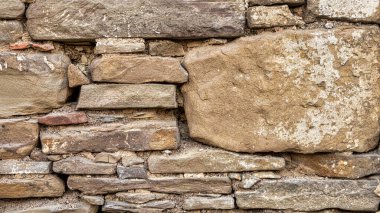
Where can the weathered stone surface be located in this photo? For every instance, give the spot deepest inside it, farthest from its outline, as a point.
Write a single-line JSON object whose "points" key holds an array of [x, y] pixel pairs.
{"points": [[194, 160], [18, 137], [107, 157], [338, 165], [310, 195], [56, 119], [117, 18], [272, 2], [31, 186], [351, 10], [211, 41], [127, 96], [137, 69], [130, 159], [76, 76], [94, 200], [153, 206], [11, 9], [140, 197], [24, 167], [274, 16], [223, 202], [166, 48], [377, 190], [80, 165], [26, 77], [10, 31], [131, 172], [258, 81], [133, 136], [99, 185], [119, 45]]}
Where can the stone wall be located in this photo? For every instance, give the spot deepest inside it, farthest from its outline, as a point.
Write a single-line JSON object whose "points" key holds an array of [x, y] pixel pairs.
{"points": [[189, 106]]}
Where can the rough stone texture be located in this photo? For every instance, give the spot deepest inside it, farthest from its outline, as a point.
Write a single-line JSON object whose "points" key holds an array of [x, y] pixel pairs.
{"points": [[26, 77], [91, 19], [133, 136], [94, 200], [137, 69], [166, 48], [138, 172], [100, 185], [211, 160], [31, 186], [18, 137], [272, 2], [81, 165], [24, 167], [153, 206], [56, 119], [119, 45], [10, 31], [351, 10], [339, 165], [139, 198], [76, 77], [223, 202], [107, 157], [274, 16], [127, 96], [258, 80], [311, 195], [11, 9]]}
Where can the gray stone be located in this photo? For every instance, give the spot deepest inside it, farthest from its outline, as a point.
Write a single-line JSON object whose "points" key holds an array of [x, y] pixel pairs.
{"points": [[127, 96], [94, 200], [195, 160], [10, 31], [11, 9], [131, 172], [18, 137], [274, 16], [139, 198], [195, 203], [272, 2], [310, 195], [117, 206], [118, 18], [133, 136], [24, 167], [81, 165], [351, 10], [166, 48], [26, 77], [137, 69], [119, 45]]}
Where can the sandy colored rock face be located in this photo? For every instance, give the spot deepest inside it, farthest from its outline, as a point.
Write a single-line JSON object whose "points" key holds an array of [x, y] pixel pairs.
{"points": [[18, 137], [26, 77], [274, 16], [120, 18], [11, 9], [223, 202], [301, 91], [81, 165], [272, 2], [119, 45], [166, 48], [11, 31], [352, 10], [76, 77]]}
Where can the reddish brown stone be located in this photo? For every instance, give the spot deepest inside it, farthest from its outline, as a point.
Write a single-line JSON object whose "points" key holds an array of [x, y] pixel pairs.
{"points": [[42, 47], [19, 46], [63, 119]]}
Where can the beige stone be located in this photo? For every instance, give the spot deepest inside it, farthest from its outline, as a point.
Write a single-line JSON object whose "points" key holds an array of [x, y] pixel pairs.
{"points": [[223, 202], [119, 45], [300, 91], [11, 31], [137, 69], [94, 200], [166, 48], [211, 41], [272, 2], [76, 77], [150, 207], [274, 16], [127, 96], [11, 9], [81, 165], [142, 197]]}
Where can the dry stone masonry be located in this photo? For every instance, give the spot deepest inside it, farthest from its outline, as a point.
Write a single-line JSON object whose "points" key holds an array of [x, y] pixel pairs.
{"points": [[204, 106]]}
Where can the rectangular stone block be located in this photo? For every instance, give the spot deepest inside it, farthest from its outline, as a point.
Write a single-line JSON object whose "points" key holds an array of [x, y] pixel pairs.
{"points": [[119, 45], [133, 136], [122, 96], [11, 9], [26, 77], [10, 31], [81, 165], [311, 195], [91, 19], [18, 137], [273, 16], [200, 203], [24, 167], [272, 2]]}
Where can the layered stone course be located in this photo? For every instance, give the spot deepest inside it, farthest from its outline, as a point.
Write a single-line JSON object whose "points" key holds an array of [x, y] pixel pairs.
{"points": [[204, 106]]}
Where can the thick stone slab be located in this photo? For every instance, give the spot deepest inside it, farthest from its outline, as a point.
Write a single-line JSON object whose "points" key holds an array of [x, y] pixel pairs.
{"points": [[100, 185], [120, 18], [199, 203], [133, 136], [273, 16], [18, 137], [97, 96], [10, 31], [258, 80], [81, 165], [11, 9], [196, 160], [311, 195], [26, 77], [8, 167], [339, 165], [352, 10], [31, 186], [137, 69], [138, 172]]}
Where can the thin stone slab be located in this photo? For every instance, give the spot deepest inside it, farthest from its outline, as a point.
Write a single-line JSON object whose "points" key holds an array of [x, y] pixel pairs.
{"points": [[199, 203], [133, 136], [81, 165], [10, 31], [196, 160], [310, 195], [122, 96], [11, 9], [139, 198], [138, 172], [273, 2], [8, 167], [153, 206], [56, 119], [119, 45], [90, 19]]}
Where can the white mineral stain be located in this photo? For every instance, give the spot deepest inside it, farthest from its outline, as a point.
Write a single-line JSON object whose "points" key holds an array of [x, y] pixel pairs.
{"points": [[348, 9]]}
